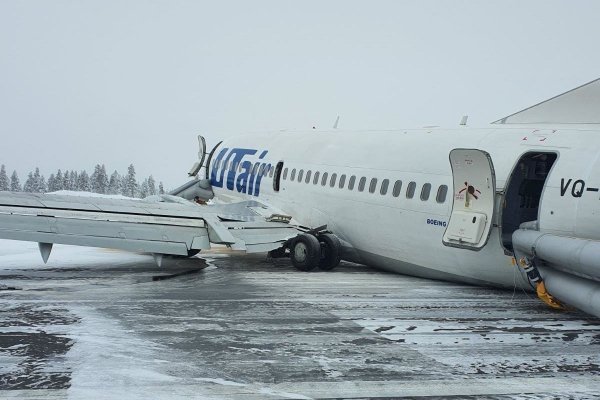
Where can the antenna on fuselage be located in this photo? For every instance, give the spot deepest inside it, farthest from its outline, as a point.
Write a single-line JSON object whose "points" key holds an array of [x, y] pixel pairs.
{"points": [[463, 120], [335, 124]]}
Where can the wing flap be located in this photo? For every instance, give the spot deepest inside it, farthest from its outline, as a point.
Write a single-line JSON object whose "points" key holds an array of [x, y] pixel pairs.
{"points": [[157, 225]]}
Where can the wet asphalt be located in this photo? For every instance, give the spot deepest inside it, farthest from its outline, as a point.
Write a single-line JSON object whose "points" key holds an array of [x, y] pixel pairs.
{"points": [[95, 324]]}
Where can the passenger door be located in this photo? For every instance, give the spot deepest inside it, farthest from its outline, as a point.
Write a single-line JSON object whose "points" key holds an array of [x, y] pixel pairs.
{"points": [[474, 183]]}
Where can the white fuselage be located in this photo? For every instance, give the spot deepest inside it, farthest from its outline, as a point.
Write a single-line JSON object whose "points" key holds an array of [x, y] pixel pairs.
{"points": [[394, 230]]}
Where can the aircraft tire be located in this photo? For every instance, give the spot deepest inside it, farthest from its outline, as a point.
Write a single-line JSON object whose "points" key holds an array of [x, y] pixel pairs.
{"points": [[305, 252], [331, 251]]}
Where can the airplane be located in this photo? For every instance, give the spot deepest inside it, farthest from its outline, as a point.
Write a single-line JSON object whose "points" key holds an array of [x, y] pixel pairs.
{"points": [[512, 204]]}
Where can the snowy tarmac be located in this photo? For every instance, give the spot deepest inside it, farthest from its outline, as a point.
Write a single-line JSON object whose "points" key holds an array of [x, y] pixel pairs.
{"points": [[92, 323]]}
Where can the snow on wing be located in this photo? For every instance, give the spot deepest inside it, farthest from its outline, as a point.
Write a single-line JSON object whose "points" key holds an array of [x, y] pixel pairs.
{"points": [[159, 224]]}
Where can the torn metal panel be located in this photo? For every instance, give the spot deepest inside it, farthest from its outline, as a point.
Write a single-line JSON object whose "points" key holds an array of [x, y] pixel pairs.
{"points": [[151, 225]]}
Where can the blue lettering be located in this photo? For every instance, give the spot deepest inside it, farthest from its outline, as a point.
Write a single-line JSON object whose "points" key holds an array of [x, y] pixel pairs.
{"points": [[214, 181], [436, 222], [265, 168], [237, 154], [241, 183], [242, 175]]}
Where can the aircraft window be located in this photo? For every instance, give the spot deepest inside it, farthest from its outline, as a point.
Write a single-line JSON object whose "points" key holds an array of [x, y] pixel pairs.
{"points": [[293, 174], [308, 176], [271, 171], [285, 171], [425, 191], [333, 179], [373, 185], [441, 194], [351, 182], [361, 184], [300, 175], [397, 188], [342, 181], [324, 179], [317, 173], [410, 190], [384, 186]]}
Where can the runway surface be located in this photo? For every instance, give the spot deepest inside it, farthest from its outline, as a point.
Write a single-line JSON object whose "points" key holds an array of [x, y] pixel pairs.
{"points": [[93, 324]]}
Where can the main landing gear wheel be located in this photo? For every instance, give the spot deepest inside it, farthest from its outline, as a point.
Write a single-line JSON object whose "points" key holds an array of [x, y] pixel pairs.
{"points": [[330, 251], [305, 252]]}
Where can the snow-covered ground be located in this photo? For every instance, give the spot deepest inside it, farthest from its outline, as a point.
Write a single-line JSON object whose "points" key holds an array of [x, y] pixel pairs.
{"points": [[93, 324]]}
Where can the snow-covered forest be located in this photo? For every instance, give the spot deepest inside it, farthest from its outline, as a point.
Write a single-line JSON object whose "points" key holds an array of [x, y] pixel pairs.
{"points": [[96, 182]]}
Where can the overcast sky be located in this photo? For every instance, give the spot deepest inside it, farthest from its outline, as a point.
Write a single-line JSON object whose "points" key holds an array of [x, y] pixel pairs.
{"points": [[119, 82]]}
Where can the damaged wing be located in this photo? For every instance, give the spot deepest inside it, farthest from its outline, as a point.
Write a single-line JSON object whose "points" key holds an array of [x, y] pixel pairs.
{"points": [[159, 224]]}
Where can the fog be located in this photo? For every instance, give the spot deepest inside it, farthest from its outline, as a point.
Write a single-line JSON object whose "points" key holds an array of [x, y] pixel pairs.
{"points": [[86, 82]]}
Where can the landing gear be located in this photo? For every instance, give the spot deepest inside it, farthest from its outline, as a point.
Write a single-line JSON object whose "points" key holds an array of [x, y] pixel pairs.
{"points": [[305, 252], [330, 251], [308, 251]]}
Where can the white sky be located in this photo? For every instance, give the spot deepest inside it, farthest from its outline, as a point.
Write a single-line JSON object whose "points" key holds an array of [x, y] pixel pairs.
{"points": [[121, 82]]}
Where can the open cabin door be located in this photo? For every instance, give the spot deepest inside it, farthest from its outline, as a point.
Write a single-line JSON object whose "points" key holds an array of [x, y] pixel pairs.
{"points": [[472, 213]]}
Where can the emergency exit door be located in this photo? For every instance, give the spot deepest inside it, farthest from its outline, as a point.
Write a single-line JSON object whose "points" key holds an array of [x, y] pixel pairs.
{"points": [[474, 189]]}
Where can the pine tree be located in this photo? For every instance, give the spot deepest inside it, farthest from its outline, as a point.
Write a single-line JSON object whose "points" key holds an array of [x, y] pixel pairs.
{"points": [[83, 182], [130, 185], [102, 180], [161, 189], [59, 181], [42, 186], [73, 181], [15, 184], [37, 182], [52, 183], [29, 183], [65, 180], [4, 184], [144, 189], [151, 186], [114, 184], [94, 179]]}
